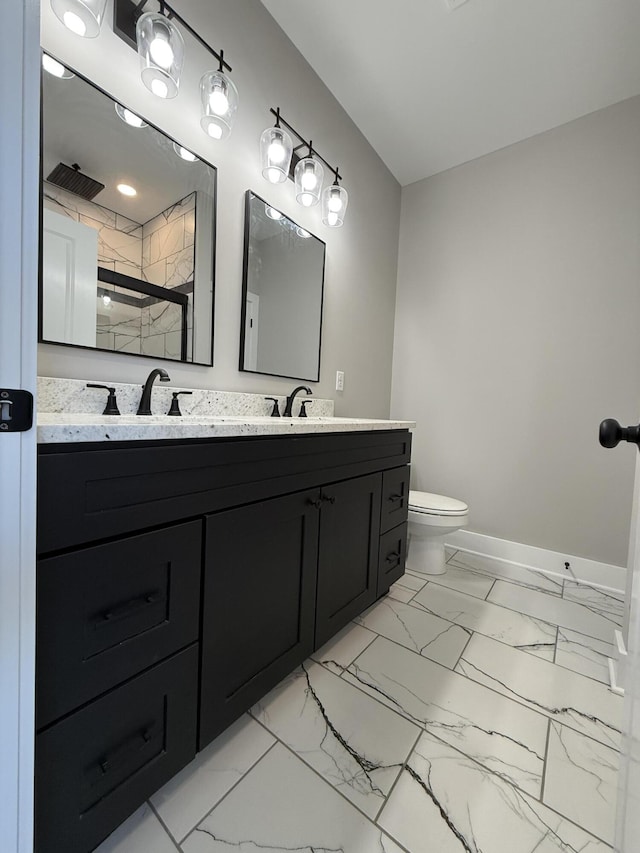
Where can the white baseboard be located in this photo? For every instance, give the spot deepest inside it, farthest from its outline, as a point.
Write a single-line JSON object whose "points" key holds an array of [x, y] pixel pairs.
{"points": [[603, 575]]}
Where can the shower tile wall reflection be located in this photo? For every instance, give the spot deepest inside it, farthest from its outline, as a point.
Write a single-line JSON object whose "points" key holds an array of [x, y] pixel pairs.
{"points": [[160, 251]]}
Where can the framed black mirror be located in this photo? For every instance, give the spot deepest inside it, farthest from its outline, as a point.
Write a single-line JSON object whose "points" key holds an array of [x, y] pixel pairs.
{"points": [[128, 230], [282, 293]]}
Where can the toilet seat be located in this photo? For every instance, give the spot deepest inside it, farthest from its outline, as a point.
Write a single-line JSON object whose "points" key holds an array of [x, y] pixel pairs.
{"points": [[427, 503]]}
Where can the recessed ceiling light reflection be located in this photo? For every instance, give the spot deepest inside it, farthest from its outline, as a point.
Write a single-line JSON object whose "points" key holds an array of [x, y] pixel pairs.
{"points": [[301, 232], [55, 68], [127, 189], [272, 213], [184, 153], [130, 118]]}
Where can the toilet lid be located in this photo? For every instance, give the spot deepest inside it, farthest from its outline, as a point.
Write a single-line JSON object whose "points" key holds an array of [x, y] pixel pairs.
{"points": [[436, 504]]}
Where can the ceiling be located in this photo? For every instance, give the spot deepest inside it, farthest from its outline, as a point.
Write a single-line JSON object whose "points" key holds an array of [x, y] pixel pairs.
{"points": [[432, 87]]}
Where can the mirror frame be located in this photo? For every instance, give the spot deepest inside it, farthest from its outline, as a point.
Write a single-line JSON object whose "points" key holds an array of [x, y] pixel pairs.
{"points": [[43, 340], [245, 281]]}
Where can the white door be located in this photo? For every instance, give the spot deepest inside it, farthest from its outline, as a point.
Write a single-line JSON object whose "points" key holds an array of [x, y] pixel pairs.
{"points": [[628, 818], [251, 331], [69, 280], [19, 144]]}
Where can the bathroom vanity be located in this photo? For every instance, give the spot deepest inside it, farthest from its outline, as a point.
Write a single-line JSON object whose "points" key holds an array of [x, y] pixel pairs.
{"points": [[181, 579]]}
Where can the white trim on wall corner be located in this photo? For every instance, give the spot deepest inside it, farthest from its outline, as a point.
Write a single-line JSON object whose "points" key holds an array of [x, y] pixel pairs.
{"points": [[602, 575]]}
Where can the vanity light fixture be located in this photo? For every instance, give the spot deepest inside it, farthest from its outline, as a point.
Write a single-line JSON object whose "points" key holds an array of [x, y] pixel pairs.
{"points": [[161, 52], [219, 98], [127, 189], [82, 17], [160, 45], [334, 204], [309, 175], [184, 153], [130, 118], [307, 172], [276, 150], [55, 68]]}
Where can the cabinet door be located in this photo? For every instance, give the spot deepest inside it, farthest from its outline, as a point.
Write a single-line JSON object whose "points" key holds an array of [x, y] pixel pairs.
{"points": [[258, 614], [348, 553]]}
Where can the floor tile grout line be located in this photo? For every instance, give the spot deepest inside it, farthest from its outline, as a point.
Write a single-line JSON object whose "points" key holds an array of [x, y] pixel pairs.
{"points": [[490, 590], [545, 762], [453, 668], [555, 647], [164, 826], [421, 731], [235, 784]]}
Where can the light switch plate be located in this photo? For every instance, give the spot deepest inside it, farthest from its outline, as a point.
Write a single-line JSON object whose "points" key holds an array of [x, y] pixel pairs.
{"points": [[339, 380]]}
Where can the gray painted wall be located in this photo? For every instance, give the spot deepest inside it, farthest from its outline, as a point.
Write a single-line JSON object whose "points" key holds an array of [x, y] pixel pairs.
{"points": [[361, 257], [518, 330]]}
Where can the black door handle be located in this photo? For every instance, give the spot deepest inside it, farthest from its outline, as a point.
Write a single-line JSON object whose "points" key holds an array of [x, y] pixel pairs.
{"points": [[611, 433]]}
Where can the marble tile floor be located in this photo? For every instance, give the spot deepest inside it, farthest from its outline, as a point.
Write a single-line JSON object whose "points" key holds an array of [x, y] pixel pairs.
{"points": [[463, 713]]}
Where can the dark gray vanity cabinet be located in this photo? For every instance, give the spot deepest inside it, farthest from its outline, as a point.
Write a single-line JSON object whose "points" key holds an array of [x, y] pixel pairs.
{"points": [[178, 582]]}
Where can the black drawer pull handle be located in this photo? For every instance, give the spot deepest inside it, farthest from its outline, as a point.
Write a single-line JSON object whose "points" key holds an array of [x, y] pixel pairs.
{"points": [[317, 503], [329, 499], [129, 607], [126, 750], [393, 557], [394, 498]]}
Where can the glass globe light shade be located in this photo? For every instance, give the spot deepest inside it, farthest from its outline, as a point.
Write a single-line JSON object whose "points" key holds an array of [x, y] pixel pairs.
{"points": [[184, 153], [334, 204], [82, 17], [276, 149], [219, 98], [309, 175], [55, 68], [161, 51], [129, 117]]}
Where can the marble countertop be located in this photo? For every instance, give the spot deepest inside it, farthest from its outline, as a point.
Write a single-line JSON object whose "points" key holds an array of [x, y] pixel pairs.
{"points": [[55, 427]]}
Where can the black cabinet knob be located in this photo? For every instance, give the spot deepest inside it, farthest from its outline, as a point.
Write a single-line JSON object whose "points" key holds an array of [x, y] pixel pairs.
{"points": [[611, 433]]}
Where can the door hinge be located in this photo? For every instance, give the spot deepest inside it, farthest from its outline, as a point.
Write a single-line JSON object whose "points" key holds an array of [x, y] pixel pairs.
{"points": [[16, 410]]}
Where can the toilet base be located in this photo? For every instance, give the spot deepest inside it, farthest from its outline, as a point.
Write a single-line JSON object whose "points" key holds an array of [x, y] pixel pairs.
{"points": [[425, 554]]}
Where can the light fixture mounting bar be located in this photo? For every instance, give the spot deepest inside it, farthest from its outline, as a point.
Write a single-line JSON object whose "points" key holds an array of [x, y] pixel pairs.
{"points": [[304, 143], [127, 12]]}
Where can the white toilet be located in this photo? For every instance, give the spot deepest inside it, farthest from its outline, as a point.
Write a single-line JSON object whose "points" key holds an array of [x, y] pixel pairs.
{"points": [[431, 519]]}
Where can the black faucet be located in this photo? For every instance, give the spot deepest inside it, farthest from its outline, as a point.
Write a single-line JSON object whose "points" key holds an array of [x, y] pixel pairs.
{"points": [[145, 401], [288, 413]]}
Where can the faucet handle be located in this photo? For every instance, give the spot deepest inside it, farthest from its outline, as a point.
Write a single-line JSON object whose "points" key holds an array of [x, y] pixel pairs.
{"points": [[303, 407], [175, 404], [275, 412], [112, 404]]}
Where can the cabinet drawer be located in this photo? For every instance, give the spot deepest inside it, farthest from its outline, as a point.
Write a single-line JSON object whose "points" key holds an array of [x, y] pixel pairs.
{"points": [[395, 498], [392, 557], [108, 612], [97, 766]]}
